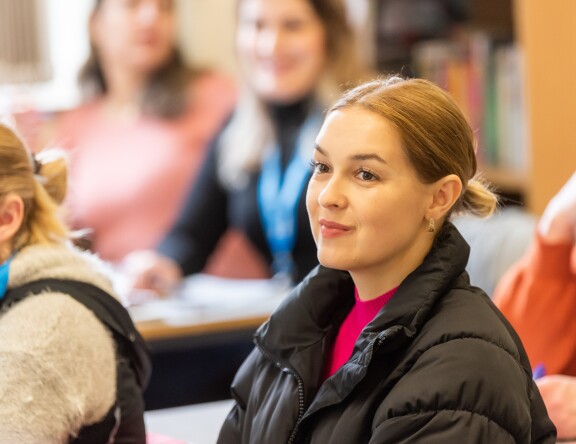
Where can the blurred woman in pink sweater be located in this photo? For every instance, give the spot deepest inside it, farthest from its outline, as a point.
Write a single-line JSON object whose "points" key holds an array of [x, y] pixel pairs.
{"points": [[137, 141]]}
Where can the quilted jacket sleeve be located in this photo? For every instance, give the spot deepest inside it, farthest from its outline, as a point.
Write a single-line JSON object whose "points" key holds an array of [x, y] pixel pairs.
{"points": [[453, 393], [234, 425]]}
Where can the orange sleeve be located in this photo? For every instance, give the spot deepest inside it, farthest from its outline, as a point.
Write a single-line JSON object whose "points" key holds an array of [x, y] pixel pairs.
{"points": [[538, 297]]}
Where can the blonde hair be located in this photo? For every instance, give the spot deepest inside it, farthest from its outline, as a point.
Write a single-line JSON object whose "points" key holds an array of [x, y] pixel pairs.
{"points": [[40, 181], [436, 136], [243, 142]]}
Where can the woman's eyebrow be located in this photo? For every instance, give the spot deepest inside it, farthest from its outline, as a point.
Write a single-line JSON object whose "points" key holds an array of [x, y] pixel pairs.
{"points": [[368, 156], [320, 150], [360, 156]]}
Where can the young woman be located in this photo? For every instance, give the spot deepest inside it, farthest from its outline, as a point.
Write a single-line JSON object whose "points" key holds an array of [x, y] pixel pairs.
{"points": [[295, 56], [146, 121], [72, 365], [387, 341]]}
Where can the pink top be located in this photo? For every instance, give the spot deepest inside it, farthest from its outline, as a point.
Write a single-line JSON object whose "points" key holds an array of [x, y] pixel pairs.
{"points": [[359, 317], [129, 178], [156, 438]]}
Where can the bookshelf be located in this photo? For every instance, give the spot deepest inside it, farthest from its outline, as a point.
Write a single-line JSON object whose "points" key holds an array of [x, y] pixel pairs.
{"points": [[547, 37], [468, 48]]}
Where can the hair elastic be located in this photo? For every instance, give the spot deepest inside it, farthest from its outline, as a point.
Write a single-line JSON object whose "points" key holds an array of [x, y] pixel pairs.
{"points": [[36, 165]]}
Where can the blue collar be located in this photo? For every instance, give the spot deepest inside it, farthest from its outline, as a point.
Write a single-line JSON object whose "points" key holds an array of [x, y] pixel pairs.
{"points": [[4, 273]]}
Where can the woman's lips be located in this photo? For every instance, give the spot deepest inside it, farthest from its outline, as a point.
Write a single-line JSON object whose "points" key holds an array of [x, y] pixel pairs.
{"points": [[330, 229]]}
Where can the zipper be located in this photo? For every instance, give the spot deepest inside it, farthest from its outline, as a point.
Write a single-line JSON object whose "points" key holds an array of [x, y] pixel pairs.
{"points": [[371, 348], [300, 384], [292, 438]]}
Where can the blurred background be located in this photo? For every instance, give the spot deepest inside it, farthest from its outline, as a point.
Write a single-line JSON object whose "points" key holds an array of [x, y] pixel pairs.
{"points": [[467, 46], [508, 63]]}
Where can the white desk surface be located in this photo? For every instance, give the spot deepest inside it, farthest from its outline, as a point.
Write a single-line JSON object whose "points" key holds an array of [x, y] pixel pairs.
{"points": [[206, 304], [203, 296], [193, 424]]}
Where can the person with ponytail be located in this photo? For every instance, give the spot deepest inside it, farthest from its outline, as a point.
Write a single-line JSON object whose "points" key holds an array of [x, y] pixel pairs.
{"points": [[72, 365], [386, 341]]}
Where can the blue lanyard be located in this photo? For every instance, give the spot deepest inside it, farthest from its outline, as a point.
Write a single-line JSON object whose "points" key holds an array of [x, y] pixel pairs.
{"points": [[279, 194], [4, 273]]}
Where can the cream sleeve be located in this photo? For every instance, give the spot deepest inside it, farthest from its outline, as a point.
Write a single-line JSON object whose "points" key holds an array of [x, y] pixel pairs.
{"points": [[57, 369]]}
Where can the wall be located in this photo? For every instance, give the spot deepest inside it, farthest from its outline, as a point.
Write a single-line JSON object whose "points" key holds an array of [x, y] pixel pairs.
{"points": [[206, 30], [547, 37], [68, 45]]}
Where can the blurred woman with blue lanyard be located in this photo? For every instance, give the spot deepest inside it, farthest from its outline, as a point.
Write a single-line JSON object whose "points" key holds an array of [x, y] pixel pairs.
{"points": [[296, 56]]}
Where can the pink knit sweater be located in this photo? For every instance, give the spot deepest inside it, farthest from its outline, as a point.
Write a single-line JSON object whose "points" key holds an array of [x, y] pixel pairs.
{"points": [[128, 178], [361, 314]]}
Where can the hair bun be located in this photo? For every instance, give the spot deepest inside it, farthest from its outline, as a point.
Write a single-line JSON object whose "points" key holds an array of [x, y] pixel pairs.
{"points": [[51, 166], [36, 165]]}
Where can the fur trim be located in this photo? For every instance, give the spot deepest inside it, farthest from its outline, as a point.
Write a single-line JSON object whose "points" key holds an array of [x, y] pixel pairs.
{"points": [[58, 369], [60, 262]]}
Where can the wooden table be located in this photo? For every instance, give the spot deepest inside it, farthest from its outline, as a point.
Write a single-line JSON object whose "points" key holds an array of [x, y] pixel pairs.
{"points": [[195, 362], [159, 330], [197, 343], [206, 307]]}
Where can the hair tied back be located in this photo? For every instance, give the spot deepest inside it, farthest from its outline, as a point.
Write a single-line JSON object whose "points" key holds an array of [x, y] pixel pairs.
{"points": [[36, 165]]}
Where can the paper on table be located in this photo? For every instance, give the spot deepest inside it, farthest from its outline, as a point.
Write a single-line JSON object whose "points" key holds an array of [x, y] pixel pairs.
{"points": [[163, 309], [203, 297], [211, 291]]}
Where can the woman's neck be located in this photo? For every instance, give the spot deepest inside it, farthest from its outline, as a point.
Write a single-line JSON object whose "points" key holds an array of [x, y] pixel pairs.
{"points": [[293, 112], [5, 251], [287, 120], [120, 110], [370, 288], [372, 282], [124, 89]]}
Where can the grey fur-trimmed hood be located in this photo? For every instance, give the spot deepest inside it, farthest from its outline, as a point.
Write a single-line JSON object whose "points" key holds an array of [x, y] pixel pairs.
{"points": [[60, 262]]}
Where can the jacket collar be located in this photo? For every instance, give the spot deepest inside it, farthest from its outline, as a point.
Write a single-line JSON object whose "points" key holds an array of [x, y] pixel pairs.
{"points": [[420, 291], [316, 307]]}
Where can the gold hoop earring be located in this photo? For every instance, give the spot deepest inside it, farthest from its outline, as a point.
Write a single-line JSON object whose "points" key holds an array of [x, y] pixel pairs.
{"points": [[431, 225]]}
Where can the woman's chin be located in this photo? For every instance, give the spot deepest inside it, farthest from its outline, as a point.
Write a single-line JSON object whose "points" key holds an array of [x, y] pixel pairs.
{"points": [[331, 262]]}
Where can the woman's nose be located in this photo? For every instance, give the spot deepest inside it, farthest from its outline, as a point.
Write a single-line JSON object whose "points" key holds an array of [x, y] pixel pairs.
{"points": [[148, 11], [333, 194], [268, 42]]}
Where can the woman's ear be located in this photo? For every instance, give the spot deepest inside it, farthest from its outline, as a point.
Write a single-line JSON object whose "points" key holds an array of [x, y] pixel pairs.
{"points": [[446, 192], [11, 216]]}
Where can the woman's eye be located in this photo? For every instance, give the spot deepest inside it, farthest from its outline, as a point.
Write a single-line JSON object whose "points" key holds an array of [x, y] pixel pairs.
{"points": [[319, 168], [366, 176], [293, 25], [166, 5]]}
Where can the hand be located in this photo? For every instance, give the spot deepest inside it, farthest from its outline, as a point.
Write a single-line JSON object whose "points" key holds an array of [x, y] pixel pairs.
{"points": [[558, 223], [151, 271], [559, 394]]}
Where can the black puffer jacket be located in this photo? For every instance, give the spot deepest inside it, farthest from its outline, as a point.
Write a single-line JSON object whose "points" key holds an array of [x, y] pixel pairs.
{"points": [[438, 364]]}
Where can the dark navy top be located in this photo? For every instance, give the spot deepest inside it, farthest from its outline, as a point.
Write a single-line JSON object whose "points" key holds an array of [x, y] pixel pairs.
{"points": [[211, 208]]}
